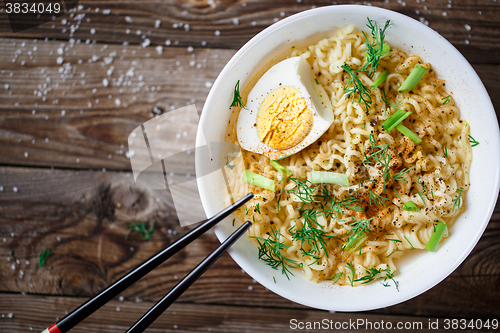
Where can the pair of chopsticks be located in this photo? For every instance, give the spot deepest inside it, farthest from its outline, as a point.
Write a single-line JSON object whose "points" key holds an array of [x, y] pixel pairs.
{"points": [[89, 307]]}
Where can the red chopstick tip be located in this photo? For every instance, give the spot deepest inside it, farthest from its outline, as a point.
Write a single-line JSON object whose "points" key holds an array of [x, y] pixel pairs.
{"points": [[54, 329]]}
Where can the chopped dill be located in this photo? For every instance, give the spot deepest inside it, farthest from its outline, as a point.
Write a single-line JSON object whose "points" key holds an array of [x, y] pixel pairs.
{"points": [[371, 275], [351, 268], [237, 100], [257, 207], [409, 242], [359, 229], [336, 277], [421, 197], [270, 252], [310, 235], [374, 50], [230, 166], [141, 229], [42, 257], [233, 221], [445, 149], [389, 275], [394, 240], [446, 99], [458, 200], [378, 199], [390, 254], [354, 85], [473, 141]]}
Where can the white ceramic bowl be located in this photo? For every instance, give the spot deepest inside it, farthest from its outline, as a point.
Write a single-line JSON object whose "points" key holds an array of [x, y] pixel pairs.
{"points": [[417, 272]]}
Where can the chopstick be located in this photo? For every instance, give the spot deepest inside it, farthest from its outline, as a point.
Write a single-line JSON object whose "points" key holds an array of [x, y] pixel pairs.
{"points": [[93, 304], [186, 282]]}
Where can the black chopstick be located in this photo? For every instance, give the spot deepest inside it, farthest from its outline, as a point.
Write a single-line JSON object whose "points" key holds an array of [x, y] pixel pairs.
{"points": [[186, 282], [89, 307]]}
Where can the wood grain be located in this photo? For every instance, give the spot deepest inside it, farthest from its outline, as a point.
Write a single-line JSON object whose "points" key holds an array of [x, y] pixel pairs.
{"points": [[65, 180], [479, 45], [76, 122], [82, 216], [118, 316]]}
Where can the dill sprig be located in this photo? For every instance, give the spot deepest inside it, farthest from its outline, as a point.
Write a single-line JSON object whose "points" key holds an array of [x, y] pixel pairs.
{"points": [[270, 252], [337, 207], [336, 277], [446, 99], [359, 229], [378, 199], [473, 141], [141, 229], [311, 235], [303, 191], [389, 275], [374, 49], [237, 100], [457, 202], [371, 275], [354, 85], [350, 266], [42, 257]]}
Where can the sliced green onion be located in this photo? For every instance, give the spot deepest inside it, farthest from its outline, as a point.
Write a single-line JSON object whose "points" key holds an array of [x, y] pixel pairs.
{"points": [[327, 177], [413, 79], [386, 49], [355, 242], [281, 169], [410, 206], [436, 237], [395, 119], [381, 78], [405, 131], [258, 180]]}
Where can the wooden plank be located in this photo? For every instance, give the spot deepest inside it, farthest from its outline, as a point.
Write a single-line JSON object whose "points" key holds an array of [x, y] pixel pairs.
{"points": [[77, 134], [82, 216], [35, 313], [73, 119], [239, 21]]}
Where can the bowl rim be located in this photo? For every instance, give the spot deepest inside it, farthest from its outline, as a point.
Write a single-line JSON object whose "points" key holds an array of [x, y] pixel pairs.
{"points": [[239, 259]]}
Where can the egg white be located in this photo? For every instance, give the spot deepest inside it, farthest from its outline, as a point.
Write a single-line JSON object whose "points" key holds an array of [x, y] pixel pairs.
{"points": [[294, 72]]}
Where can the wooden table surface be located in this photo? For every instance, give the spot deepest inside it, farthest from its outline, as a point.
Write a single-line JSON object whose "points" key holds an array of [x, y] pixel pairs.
{"points": [[65, 179]]}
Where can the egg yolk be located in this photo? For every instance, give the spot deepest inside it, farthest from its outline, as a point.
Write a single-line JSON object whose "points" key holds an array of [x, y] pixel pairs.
{"points": [[284, 119]]}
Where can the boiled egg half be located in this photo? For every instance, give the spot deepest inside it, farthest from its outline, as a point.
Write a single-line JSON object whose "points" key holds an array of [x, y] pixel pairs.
{"points": [[286, 111]]}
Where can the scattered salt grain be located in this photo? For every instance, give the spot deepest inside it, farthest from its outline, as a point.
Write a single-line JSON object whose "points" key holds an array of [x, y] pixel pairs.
{"points": [[190, 49], [92, 31], [208, 84], [106, 11], [236, 21], [217, 33], [6, 86], [159, 49], [128, 19], [10, 315], [26, 154], [157, 23], [468, 27], [59, 60], [14, 188], [168, 42], [203, 43], [118, 102], [63, 113], [121, 298], [146, 42], [105, 82], [118, 309]]}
